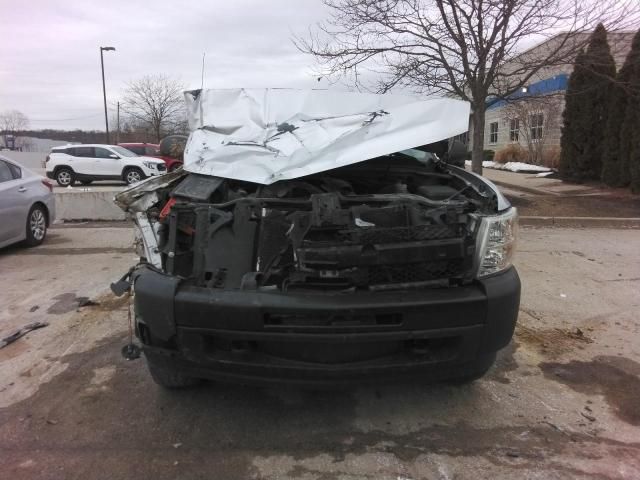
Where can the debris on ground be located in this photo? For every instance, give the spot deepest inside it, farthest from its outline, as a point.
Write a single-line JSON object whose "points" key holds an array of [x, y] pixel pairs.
{"points": [[578, 334], [588, 417], [87, 302], [553, 341], [21, 332]]}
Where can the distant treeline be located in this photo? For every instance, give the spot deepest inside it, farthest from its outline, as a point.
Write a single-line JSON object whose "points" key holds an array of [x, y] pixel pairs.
{"points": [[86, 136]]}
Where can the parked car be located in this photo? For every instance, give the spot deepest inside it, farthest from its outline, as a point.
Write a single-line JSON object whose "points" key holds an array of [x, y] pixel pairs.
{"points": [[27, 205], [152, 150], [86, 163], [322, 247]]}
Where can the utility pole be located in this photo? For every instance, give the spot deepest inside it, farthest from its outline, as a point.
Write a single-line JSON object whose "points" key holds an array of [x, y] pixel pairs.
{"points": [[104, 90], [118, 122], [202, 78]]}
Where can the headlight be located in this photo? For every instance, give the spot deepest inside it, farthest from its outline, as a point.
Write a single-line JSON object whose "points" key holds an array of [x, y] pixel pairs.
{"points": [[149, 165], [498, 235]]}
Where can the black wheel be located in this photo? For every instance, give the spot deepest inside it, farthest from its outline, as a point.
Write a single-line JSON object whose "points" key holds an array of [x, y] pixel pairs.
{"points": [[65, 177], [474, 370], [86, 182], [133, 175], [36, 225], [170, 378]]}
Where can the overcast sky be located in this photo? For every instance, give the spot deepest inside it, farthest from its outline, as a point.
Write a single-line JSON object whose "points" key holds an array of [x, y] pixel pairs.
{"points": [[50, 61]]}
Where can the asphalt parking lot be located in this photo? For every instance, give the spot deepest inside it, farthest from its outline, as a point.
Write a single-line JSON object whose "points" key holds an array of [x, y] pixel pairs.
{"points": [[561, 402]]}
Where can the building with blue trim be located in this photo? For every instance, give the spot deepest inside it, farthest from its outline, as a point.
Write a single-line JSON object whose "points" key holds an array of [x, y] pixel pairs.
{"points": [[532, 117]]}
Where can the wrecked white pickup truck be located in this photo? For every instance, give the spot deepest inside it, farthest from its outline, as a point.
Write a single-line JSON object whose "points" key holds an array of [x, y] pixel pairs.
{"points": [[321, 237]]}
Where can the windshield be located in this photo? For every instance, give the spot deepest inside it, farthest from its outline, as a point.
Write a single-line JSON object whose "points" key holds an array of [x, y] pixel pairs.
{"points": [[123, 152], [423, 157], [417, 154]]}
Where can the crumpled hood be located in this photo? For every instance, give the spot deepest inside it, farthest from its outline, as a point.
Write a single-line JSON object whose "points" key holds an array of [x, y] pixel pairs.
{"points": [[266, 135]]}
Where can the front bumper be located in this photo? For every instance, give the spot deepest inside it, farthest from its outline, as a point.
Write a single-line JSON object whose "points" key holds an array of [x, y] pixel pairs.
{"points": [[320, 338]]}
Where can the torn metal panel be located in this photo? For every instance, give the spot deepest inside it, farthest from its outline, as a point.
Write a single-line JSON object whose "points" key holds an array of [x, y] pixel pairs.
{"points": [[197, 187], [266, 135], [139, 197], [149, 237]]}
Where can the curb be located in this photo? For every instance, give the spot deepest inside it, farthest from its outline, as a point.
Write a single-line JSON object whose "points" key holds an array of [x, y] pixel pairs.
{"points": [[90, 223], [532, 191], [584, 222], [82, 205]]}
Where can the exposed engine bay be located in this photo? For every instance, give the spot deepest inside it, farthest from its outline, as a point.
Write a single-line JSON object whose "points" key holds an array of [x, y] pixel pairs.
{"points": [[401, 221], [316, 236]]}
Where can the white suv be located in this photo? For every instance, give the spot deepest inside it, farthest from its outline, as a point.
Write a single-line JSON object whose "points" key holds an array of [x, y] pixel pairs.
{"points": [[87, 163]]}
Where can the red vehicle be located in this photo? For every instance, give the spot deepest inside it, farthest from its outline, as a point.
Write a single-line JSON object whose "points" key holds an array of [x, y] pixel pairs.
{"points": [[152, 150]]}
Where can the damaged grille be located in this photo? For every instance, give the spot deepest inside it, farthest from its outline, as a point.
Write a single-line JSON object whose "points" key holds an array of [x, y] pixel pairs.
{"points": [[329, 242], [415, 272], [379, 248], [400, 234]]}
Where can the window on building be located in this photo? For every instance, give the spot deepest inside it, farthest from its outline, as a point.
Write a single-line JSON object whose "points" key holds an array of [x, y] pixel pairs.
{"points": [[493, 132], [537, 122], [514, 130]]}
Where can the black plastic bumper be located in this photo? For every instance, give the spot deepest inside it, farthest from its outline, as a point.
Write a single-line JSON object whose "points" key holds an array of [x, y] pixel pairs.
{"points": [[319, 338]]}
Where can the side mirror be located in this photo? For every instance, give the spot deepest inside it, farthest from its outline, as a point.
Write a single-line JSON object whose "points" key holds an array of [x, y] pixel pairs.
{"points": [[113, 155]]}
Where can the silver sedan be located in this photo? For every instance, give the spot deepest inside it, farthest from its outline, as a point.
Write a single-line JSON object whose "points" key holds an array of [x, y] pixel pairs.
{"points": [[27, 205]]}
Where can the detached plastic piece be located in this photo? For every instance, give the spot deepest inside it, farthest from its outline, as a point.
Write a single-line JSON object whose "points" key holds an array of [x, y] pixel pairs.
{"points": [[123, 285], [167, 208]]}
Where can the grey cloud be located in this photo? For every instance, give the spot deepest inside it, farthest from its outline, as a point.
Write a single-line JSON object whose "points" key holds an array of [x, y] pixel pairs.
{"points": [[51, 65]]}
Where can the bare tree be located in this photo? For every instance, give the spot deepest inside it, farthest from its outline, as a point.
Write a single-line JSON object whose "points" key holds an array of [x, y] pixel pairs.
{"points": [[471, 49], [13, 122], [535, 117], [155, 101]]}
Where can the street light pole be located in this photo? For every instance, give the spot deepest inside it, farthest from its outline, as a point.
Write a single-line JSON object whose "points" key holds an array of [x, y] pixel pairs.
{"points": [[118, 122], [104, 90]]}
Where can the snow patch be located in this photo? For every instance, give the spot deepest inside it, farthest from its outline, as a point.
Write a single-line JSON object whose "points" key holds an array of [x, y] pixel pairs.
{"points": [[517, 167]]}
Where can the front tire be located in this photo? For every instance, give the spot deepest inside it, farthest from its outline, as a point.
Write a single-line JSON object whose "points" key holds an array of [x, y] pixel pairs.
{"points": [[169, 377], [133, 175], [36, 226], [65, 177]]}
